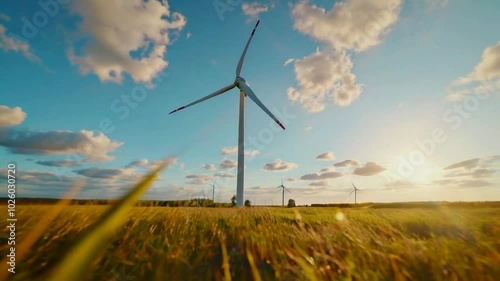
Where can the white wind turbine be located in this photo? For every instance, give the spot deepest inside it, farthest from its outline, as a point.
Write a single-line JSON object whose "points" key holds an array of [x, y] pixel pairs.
{"points": [[245, 91], [213, 191], [283, 188], [355, 192]]}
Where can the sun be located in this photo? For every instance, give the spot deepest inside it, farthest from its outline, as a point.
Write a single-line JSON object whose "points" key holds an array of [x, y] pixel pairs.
{"points": [[425, 172]]}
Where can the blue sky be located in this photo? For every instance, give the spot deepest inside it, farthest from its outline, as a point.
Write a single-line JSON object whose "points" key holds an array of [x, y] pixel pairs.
{"points": [[408, 91]]}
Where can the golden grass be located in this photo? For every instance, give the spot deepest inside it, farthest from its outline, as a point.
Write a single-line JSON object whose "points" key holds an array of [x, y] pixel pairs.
{"points": [[159, 243]]}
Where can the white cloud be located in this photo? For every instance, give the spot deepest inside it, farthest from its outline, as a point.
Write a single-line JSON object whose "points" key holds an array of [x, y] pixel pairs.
{"points": [[223, 174], [369, 169], [9, 43], [252, 153], [228, 164], [322, 176], [228, 150], [346, 163], [288, 61], [189, 35], [199, 179], [116, 29], [308, 129], [319, 183], [210, 167], [326, 156], [11, 116], [95, 147], [253, 10], [59, 163], [485, 78], [351, 24], [324, 77], [279, 166]]}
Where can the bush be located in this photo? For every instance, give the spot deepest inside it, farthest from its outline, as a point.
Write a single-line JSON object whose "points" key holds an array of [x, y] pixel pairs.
{"points": [[248, 203], [291, 203]]}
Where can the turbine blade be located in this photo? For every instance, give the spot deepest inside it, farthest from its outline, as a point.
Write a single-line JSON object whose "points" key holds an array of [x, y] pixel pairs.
{"points": [[242, 58], [353, 185], [350, 193], [255, 99], [216, 93]]}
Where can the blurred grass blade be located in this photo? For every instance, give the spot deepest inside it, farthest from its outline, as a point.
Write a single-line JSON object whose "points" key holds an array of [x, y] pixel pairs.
{"points": [[93, 241], [45, 221]]}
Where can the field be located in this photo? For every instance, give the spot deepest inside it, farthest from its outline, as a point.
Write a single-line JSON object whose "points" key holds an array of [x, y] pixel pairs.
{"points": [[305, 243]]}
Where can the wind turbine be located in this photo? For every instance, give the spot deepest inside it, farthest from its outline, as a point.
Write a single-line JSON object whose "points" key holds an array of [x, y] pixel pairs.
{"points": [[355, 192], [245, 91], [283, 188], [213, 191]]}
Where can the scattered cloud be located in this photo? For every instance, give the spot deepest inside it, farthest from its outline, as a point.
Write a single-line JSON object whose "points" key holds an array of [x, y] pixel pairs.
{"points": [[129, 37], [291, 179], [9, 43], [347, 163], [94, 147], [341, 29], [467, 164], [59, 163], [229, 150], [252, 10], [319, 183], [476, 173], [288, 61], [210, 167], [138, 163], [189, 35], [228, 164], [484, 79], [326, 156], [369, 169], [279, 166], [121, 174], [326, 76], [224, 174], [11, 116], [147, 164], [463, 183], [252, 153], [321, 176], [308, 129], [199, 179]]}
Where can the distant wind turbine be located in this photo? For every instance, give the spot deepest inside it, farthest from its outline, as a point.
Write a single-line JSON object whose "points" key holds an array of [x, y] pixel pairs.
{"points": [[245, 91], [355, 190], [213, 191], [283, 188]]}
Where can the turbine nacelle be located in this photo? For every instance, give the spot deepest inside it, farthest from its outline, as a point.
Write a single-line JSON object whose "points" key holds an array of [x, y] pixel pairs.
{"points": [[240, 80]]}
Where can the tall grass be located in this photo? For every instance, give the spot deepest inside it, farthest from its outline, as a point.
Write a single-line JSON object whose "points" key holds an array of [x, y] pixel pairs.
{"points": [[158, 243]]}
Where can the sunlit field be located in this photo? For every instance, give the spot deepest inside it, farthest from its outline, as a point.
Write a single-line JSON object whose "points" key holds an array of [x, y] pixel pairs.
{"points": [[458, 242]]}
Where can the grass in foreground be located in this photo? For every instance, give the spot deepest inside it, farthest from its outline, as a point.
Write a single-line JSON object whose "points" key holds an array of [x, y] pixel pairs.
{"points": [[156, 243]]}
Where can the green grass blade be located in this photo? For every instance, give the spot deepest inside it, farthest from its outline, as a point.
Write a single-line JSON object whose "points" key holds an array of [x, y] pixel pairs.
{"points": [[86, 249]]}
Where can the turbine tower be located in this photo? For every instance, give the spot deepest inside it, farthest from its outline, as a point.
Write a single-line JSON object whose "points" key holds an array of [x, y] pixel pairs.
{"points": [[213, 191], [283, 188], [245, 91], [355, 190]]}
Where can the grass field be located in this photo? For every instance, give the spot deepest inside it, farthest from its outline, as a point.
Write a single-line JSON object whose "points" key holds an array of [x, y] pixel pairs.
{"points": [[305, 243]]}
